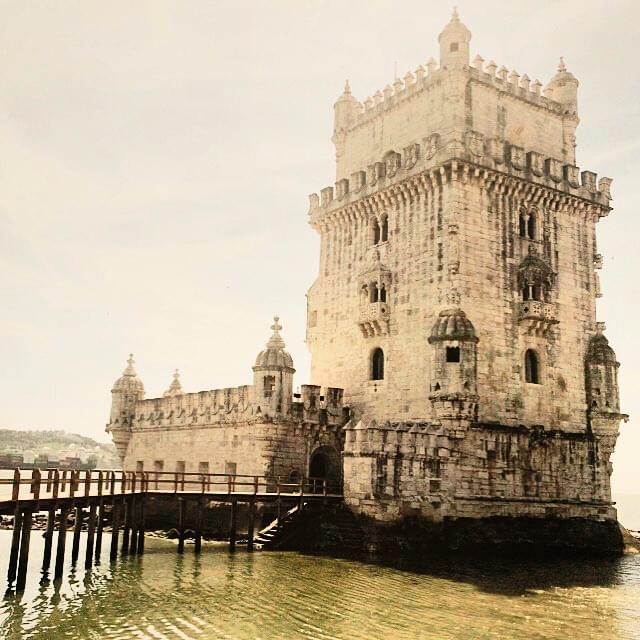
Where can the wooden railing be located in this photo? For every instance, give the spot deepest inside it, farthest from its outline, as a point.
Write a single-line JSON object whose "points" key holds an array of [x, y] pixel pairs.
{"points": [[68, 483]]}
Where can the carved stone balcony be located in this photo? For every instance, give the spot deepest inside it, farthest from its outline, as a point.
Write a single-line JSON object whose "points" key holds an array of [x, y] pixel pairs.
{"points": [[374, 319], [536, 316]]}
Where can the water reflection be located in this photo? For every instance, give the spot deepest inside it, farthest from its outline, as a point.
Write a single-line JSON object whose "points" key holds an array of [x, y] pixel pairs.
{"points": [[280, 595]]}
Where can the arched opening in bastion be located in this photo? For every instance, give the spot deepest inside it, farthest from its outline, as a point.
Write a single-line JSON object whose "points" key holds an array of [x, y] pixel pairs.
{"points": [[326, 464]]}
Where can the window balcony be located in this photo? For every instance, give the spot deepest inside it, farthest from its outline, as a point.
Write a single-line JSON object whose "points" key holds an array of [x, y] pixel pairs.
{"points": [[374, 319], [537, 316]]}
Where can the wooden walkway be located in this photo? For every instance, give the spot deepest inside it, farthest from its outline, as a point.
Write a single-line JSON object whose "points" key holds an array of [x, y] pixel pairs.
{"points": [[124, 494]]}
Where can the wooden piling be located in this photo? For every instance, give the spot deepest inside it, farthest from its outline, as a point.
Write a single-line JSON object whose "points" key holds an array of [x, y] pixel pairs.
{"points": [[127, 526], [115, 528], [133, 542], [62, 541], [23, 559], [140, 549], [199, 516], [91, 531], [234, 525], [77, 527], [15, 547], [250, 529], [48, 539], [99, 530], [180, 525]]}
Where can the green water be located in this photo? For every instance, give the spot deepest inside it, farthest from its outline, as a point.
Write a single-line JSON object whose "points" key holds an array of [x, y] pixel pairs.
{"points": [[265, 595]]}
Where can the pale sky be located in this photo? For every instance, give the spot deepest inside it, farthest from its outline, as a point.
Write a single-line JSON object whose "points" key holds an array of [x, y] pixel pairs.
{"points": [[155, 162]]}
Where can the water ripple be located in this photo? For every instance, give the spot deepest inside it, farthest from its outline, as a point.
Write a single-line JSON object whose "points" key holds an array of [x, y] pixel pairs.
{"points": [[272, 596]]}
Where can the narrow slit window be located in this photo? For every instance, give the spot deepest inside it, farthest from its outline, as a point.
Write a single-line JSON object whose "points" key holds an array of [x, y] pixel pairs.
{"points": [[531, 367], [377, 365]]}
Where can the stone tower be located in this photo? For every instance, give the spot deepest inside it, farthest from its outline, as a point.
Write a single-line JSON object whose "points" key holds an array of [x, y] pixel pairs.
{"points": [[127, 391], [273, 376], [458, 272]]}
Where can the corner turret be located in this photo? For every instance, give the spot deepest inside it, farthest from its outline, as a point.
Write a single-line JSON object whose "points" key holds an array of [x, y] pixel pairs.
{"points": [[563, 88], [175, 388], [127, 390], [346, 111], [273, 376], [454, 44], [454, 378]]}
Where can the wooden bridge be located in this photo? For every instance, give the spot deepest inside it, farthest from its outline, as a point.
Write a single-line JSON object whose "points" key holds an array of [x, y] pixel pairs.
{"points": [[125, 494]]}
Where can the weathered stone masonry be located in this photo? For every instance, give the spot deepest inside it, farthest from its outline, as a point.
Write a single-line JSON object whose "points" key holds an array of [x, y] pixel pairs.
{"points": [[455, 305], [457, 194]]}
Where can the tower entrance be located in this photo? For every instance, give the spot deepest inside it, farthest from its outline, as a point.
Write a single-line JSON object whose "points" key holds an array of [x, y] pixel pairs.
{"points": [[326, 464]]}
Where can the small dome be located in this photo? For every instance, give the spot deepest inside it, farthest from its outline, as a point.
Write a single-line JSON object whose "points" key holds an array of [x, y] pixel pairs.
{"points": [[453, 324], [129, 381], [274, 356], [455, 29], [600, 352], [175, 388]]}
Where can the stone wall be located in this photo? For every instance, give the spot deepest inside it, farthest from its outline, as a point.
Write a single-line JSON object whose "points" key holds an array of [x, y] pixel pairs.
{"points": [[474, 471]]}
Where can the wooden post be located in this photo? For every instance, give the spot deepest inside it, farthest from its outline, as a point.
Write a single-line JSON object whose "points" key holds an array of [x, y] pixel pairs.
{"points": [[141, 526], [301, 494], [75, 548], [15, 490], [127, 525], [56, 484], [100, 529], [115, 528], [36, 479], [200, 508], [252, 517], [233, 526], [180, 525], [15, 546], [91, 531], [49, 479], [133, 543], [62, 540], [48, 539], [23, 559], [63, 484], [279, 501]]}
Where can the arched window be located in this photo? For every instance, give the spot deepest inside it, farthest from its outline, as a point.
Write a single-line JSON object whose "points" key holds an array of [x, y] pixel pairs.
{"points": [[384, 233], [523, 226], [376, 232], [531, 367], [531, 226], [377, 365], [453, 354], [374, 291], [383, 294]]}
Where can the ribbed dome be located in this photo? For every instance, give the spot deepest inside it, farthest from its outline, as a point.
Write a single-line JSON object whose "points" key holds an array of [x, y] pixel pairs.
{"points": [[600, 352], [129, 381], [274, 356], [453, 324], [455, 29]]}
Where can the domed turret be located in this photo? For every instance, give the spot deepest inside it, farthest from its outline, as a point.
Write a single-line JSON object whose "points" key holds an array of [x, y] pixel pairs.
{"points": [[175, 388], [601, 369], [273, 375], [452, 324], [127, 390], [453, 366], [454, 44]]}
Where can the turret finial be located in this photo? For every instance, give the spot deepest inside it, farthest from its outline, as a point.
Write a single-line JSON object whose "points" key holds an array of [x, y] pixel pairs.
{"points": [[455, 17], [175, 388], [276, 341], [562, 66], [347, 87], [129, 370]]}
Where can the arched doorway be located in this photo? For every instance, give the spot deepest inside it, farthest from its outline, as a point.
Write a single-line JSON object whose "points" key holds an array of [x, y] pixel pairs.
{"points": [[325, 464]]}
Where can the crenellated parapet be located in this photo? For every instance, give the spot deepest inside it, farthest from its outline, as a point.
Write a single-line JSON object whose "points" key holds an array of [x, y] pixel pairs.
{"points": [[503, 167]]}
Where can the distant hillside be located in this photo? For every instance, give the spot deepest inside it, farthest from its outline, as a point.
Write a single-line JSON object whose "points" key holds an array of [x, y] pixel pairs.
{"points": [[56, 444]]}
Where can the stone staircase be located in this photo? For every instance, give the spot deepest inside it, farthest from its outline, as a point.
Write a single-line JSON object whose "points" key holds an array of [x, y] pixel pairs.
{"points": [[279, 531]]}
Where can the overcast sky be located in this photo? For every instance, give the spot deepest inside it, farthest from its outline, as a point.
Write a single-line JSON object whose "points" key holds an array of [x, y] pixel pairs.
{"points": [[155, 161]]}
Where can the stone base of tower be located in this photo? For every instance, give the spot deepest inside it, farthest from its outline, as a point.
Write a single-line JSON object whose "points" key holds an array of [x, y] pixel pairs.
{"points": [[418, 541]]}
